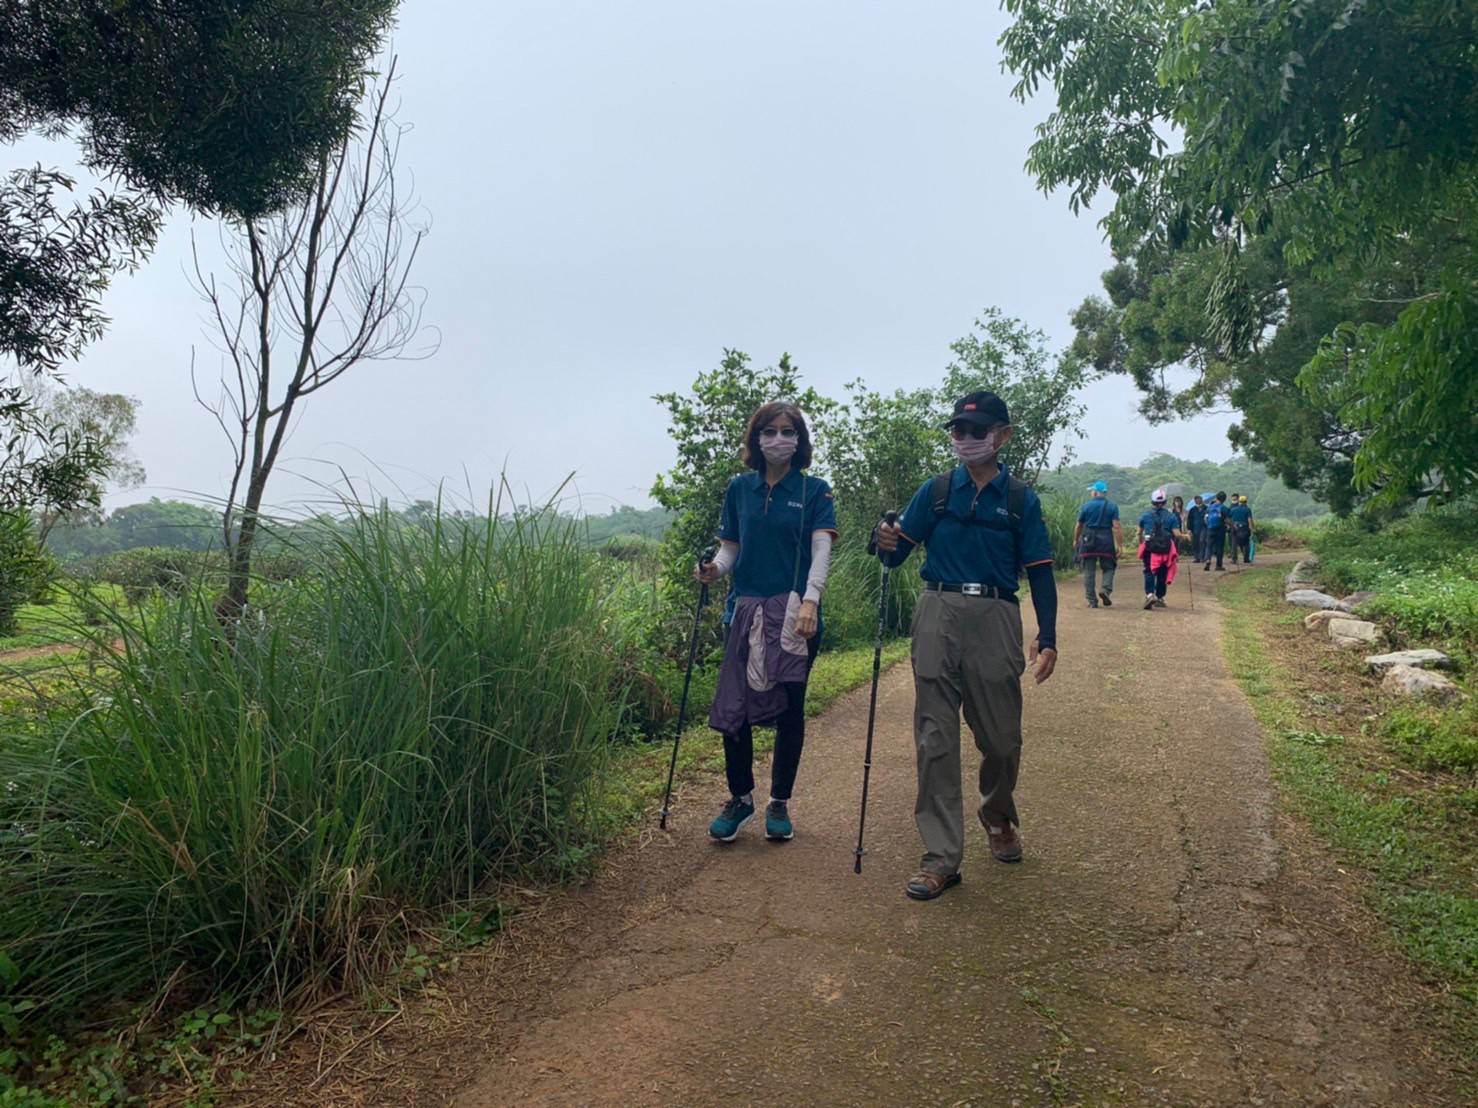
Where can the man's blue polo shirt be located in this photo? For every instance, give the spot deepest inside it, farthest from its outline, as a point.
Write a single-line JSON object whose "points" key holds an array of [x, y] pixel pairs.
{"points": [[1098, 512], [1240, 514], [771, 525], [962, 553]]}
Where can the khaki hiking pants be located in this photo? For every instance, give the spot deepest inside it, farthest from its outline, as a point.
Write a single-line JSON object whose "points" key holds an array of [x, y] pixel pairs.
{"points": [[967, 653]]}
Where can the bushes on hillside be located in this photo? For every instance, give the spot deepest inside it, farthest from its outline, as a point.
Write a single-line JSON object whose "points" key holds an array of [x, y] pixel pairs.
{"points": [[1425, 568]]}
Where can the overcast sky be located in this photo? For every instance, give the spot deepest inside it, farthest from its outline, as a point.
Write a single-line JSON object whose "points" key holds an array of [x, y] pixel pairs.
{"points": [[619, 189]]}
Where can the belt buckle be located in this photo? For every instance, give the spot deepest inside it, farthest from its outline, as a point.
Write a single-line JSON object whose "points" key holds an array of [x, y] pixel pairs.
{"points": [[971, 589]]}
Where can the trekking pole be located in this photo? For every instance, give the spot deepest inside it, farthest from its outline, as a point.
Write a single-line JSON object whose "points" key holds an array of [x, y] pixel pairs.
{"points": [[682, 708], [872, 707]]}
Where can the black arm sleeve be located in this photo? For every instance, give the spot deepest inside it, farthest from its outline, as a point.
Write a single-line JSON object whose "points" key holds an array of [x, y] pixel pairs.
{"points": [[1044, 600]]}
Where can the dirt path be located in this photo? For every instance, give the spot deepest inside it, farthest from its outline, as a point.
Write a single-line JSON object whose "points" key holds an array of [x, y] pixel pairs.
{"points": [[1168, 940]]}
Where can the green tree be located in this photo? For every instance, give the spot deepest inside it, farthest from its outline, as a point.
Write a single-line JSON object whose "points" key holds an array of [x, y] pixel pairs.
{"points": [[25, 569], [883, 447], [1344, 133], [224, 106], [108, 421], [1009, 358]]}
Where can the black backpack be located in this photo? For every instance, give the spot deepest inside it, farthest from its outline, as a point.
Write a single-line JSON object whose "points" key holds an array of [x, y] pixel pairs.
{"points": [[1098, 538], [1015, 507], [1158, 540]]}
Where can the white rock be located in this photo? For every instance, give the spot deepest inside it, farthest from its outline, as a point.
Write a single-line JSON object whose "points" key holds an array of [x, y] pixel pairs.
{"points": [[1353, 632], [1417, 659], [1310, 598], [1410, 681]]}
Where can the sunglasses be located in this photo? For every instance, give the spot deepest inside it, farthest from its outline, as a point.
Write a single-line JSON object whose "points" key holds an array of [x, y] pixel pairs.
{"points": [[971, 430], [783, 432]]}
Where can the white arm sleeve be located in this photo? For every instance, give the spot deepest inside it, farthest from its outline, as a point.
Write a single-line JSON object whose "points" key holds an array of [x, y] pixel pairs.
{"points": [[728, 554], [820, 565]]}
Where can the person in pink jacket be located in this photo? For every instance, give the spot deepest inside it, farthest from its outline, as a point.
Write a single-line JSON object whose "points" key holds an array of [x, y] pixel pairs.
{"points": [[1159, 533]]}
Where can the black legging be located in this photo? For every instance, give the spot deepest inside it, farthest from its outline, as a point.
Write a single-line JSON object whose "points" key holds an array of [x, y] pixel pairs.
{"points": [[790, 737]]}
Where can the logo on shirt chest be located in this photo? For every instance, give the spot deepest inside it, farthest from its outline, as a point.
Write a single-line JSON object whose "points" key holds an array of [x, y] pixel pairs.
{"points": [[794, 504]]}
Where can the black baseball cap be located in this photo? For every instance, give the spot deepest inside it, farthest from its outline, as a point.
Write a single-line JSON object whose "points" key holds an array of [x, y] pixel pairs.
{"points": [[984, 408]]}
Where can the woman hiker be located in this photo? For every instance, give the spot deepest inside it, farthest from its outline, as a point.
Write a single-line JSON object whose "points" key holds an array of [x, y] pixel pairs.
{"points": [[1159, 532], [775, 535]]}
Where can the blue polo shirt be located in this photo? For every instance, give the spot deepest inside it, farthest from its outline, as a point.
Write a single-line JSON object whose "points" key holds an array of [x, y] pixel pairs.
{"points": [[1168, 519], [770, 525], [1240, 514], [1098, 512], [960, 553]]}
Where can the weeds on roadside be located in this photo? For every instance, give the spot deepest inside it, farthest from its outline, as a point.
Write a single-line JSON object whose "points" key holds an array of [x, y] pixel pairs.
{"points": [[1413, 834], [264, 809]]}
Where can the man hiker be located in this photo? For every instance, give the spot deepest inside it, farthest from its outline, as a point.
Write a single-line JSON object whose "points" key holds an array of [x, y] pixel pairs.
{"points": [[1239, 523], [1216, 530], [1195, 520], [1098, 538], [1159, 532], [978, 525]]}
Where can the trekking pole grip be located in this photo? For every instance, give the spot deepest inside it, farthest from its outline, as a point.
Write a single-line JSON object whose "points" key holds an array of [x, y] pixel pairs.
{"points": [[890, 518]]}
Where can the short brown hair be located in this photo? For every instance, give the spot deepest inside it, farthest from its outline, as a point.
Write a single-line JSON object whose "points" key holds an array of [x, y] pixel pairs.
{"points": [[751, 454]]}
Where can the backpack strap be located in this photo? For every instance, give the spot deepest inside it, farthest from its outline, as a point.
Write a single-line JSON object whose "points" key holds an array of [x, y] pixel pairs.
{"points": [[1016, 490], [941, 496]]}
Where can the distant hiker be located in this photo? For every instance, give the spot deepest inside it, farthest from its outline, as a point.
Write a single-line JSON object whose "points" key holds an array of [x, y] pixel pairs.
{"points": [[1098, 538], [1195, 519], [775, 534], [978, 525], [1239, 525], [1159, 531], [1216, 530]]}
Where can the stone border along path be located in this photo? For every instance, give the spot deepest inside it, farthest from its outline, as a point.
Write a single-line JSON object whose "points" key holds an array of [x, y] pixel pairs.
{"points": [[1168, 940]]}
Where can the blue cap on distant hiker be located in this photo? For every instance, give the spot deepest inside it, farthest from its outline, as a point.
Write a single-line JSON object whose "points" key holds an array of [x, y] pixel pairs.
{"points": [[1098, 486]]}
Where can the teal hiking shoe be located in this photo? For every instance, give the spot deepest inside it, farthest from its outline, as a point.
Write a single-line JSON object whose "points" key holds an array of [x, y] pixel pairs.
{"points": [[736, 813], [778, 827]]}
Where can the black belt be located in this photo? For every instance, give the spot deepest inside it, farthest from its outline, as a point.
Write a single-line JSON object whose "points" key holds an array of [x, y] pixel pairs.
{"points": [[971, 588]]}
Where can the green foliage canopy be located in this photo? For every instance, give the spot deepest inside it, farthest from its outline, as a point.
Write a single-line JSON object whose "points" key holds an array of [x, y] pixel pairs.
{"points": [[1343, 133]]}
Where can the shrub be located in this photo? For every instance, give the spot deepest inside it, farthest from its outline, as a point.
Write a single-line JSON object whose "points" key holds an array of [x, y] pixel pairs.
{"points": [[156, 569], [1424, 567], [1444, 739], [266, 810], [26, 572], [850, 605]]}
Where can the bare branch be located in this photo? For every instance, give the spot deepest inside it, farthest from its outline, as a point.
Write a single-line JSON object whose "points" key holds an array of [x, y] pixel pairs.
{"points": [[326, 286]]}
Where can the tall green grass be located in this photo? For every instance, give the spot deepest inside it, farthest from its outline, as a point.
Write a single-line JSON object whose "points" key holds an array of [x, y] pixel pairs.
{"points": [[266, 812], [1060, 514]]}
